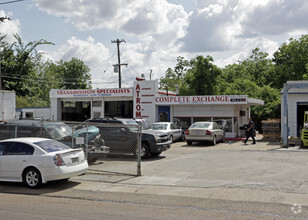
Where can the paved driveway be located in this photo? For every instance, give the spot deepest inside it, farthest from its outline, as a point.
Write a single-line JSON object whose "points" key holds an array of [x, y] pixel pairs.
{"points": [[261, 172]]}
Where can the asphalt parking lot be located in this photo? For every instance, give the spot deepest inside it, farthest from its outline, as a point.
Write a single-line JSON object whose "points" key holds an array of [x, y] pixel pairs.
{"points": [[261, 172]]}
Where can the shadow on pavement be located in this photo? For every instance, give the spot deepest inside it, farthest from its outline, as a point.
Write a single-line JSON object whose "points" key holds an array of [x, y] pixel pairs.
{"points": [[50, 187]]}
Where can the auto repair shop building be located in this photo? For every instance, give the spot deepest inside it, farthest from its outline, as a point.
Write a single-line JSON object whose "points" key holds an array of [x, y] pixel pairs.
{"points": [[145, 100], [294, 103]]}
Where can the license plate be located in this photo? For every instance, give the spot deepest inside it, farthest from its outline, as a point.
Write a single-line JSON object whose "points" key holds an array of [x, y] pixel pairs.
{"points": [[197, 132], [75, 160]]}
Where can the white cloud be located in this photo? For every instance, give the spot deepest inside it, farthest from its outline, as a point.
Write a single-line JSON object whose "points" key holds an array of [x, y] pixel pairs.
{"points": [[221, 25], [132, 16], [157, 32], [272, 17], [9, 27], [89, 51]]}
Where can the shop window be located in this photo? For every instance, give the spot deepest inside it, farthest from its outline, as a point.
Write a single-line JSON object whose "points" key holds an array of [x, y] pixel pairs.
{"points": [[68, 104], [85, 104], [197, 119], [163, 116], [183, 122], [29, 114], [224, 123], [242, 113], [121, 109]]}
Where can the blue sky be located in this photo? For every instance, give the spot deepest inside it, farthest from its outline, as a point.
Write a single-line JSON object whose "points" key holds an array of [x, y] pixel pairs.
{"points": [[156, 31]]}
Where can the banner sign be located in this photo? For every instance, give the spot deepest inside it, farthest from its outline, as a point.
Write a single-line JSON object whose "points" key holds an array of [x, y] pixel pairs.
{"points": [[217, 99], [92, 92]]}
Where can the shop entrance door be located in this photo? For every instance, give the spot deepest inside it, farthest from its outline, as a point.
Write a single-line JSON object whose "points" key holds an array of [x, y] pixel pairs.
{"points": [[164, 113]]}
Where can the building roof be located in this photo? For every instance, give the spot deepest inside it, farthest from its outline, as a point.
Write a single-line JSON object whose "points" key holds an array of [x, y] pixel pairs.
{"points": [[294, 90]]}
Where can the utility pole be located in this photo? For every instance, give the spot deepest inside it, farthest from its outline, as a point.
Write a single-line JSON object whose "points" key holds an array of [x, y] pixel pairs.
{"points": [[119, 59]]}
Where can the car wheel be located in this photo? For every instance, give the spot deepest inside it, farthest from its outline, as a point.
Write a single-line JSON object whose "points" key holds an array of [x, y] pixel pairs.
{"points": [[189, 142], [145, 152], [214, 141], [32, 178]]}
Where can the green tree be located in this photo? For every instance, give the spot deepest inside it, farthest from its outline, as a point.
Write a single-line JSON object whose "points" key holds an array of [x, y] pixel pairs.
{"points": [[271, 107], [74, 74], [18, 66], [201, 77], [174, 76], [290, 61]]}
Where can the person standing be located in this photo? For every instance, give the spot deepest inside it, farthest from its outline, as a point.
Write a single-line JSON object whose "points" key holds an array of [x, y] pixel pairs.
{"points": [[250, 132]]}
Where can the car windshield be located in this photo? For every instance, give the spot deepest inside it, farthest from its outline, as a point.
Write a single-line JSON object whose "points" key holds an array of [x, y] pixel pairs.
{"points": [[201, 125], [159, 126], [51, 145], [145, 125], [59, 131], [133, 125]]}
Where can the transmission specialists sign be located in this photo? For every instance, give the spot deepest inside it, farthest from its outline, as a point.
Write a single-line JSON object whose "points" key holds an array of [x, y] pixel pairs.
{"points": [[217, 99], [92, 92]]}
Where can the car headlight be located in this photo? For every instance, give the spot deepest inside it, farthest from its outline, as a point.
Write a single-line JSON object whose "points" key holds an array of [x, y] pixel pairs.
{"points": [[157, 138]]}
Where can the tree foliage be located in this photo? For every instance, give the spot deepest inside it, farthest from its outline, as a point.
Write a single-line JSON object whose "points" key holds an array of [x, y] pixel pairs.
{"points": [[257, 76], [75, 74], [291, 61], [18, 62], [24, 71], [195, 77]]}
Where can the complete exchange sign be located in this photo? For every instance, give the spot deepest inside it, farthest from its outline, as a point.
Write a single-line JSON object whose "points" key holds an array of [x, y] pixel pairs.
{"points": [[217, 99]]}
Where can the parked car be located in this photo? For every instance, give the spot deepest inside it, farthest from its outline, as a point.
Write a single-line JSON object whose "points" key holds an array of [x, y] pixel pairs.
{"points": [[176, 133], [38, 160], [204, 131], [58, 131], [121, 136]]}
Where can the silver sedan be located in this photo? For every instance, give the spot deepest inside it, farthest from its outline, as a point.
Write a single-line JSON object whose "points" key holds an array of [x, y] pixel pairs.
{"points": [[204, 131], [176, 133]]}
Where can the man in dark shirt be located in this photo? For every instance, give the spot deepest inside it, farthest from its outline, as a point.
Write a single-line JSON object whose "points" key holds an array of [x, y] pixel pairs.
{"points": [[250, 132]]}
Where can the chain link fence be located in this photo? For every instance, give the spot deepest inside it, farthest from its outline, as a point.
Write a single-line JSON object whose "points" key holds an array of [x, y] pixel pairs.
{"points": [[110, 148]]}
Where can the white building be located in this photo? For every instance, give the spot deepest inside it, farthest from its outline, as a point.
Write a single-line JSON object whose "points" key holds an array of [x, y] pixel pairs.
{"points": [[293, 106], [145, 100], [40, 113]]}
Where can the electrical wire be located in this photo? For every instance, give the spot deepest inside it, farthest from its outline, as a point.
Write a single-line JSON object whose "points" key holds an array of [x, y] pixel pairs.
{"points": [[102, 61], [4, 3]]}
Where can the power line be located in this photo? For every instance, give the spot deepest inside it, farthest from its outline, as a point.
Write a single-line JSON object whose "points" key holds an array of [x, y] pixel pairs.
{"points": [[102, 62], [4, 3]]}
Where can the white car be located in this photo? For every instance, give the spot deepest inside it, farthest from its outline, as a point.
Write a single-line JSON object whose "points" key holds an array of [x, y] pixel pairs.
{"points": [[176, 133], [204, 131], [38, 160]]}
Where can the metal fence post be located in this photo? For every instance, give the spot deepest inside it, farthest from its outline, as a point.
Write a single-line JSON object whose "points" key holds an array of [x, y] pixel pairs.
{"points": [[139, 150], [73, 136], [87, 141], [41, 128], [16, 131]]}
